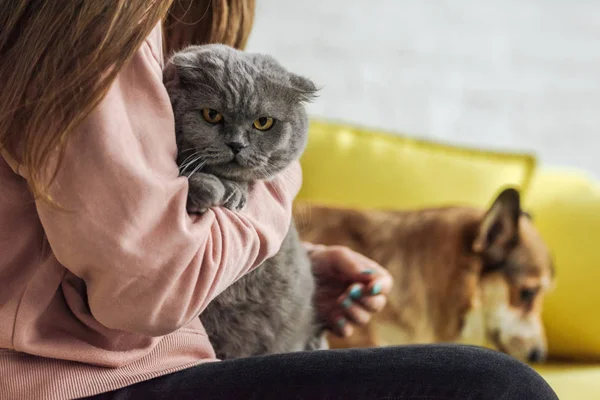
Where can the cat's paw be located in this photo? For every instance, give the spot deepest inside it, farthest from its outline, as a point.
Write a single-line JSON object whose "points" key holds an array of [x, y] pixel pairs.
{"points": [[236, 195], [205, 191]]}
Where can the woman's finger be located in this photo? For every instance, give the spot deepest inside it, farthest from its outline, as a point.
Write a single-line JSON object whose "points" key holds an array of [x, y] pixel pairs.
{"points": [[374, 286], [352, 265], [357, 314], [373, 303], [380, 285], [341, 326], [352, 306]]}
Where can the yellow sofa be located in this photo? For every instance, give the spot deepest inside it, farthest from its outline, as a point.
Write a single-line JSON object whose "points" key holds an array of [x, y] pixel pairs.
{"points": [[350, 166]]}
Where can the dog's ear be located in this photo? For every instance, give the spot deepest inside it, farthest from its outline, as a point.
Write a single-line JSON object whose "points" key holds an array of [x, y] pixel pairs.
{"points": [[499, 230]]}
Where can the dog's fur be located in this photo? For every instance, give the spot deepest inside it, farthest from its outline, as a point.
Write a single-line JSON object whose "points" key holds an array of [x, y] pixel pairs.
{"points": [[450, 266]]}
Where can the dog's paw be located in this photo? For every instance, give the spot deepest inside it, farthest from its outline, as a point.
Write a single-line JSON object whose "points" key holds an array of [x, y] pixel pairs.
{"points": [[205, 191], [236, 195]]}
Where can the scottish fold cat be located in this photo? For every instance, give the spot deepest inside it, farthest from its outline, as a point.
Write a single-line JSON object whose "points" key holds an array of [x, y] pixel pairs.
{"points": [[239, 118]]}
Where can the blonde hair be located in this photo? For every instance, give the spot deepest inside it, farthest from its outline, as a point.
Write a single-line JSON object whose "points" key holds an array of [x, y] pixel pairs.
{"points": [[59, 58]]}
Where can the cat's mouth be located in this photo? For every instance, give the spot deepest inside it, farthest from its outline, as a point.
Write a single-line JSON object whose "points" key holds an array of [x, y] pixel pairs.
{"points": [[245, 163], [235, 168], [239, 167], [238, 161], [231, 162]]}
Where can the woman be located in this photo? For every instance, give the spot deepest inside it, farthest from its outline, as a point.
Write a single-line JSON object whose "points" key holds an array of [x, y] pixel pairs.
{"points": [[103, 273]]}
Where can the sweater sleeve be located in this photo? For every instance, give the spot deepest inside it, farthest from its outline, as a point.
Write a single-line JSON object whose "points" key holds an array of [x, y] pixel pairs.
{"points": [[122, 225]]}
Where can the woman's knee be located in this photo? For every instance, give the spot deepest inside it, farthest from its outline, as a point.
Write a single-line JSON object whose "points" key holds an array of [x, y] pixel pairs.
{"points": [[450, 371], [491, 374]]}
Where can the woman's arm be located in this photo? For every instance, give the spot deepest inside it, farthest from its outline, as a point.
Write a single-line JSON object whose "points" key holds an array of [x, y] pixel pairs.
{"points": [[150, 267]]}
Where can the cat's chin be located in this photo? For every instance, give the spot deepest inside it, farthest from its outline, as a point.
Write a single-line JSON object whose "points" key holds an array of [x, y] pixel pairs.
{"points": [[236, 172]]}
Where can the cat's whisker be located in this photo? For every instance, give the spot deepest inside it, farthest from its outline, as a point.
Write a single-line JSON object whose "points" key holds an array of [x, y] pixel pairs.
{"points": [[270, 171], [186, 150], [190, 163], [184, 168], [200, 165], [195, 153], [185, 164]]}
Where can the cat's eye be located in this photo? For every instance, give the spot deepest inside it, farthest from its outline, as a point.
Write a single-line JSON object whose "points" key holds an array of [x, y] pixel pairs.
{"points": [[264, 123], [211, 116]]}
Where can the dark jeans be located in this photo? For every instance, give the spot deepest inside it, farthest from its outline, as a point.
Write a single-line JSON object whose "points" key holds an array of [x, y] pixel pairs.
{"points": [[411, 372]]}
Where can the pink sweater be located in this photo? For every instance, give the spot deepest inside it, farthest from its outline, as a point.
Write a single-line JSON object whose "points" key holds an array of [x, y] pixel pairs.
{"points": [[108, 292]]}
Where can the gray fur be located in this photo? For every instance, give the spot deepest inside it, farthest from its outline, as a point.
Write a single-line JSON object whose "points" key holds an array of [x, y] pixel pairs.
{"points": [[269, 310]]}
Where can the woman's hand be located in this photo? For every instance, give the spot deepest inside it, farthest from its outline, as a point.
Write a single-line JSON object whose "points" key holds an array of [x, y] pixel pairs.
{"points": [[350, 287]]}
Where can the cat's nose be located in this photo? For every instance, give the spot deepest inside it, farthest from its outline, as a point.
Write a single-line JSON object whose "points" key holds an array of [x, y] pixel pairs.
{"points": [[236, 147]]}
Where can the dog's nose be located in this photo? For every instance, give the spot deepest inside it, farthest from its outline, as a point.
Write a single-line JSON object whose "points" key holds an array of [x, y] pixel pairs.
{"points": [[536, 355], [236, 147]]}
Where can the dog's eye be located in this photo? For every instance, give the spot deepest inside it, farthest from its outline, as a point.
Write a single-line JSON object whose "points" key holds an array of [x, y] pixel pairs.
{"points": [[527, 295]]}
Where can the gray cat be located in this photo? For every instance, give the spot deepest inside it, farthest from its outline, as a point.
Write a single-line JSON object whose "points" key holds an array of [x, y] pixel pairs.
{"points": [[240, 118]]}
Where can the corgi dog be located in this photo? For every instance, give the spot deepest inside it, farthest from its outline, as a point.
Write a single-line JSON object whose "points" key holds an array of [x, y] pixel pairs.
{"points": [[461, 274]]}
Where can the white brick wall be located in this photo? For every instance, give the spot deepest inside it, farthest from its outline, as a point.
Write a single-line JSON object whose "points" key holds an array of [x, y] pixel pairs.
{"points": [[514, 74]]}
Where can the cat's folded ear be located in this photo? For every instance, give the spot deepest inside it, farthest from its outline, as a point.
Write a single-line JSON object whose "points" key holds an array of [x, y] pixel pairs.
{"points": [[172, 82], [180, 68], [304, 88], [170, 74]]}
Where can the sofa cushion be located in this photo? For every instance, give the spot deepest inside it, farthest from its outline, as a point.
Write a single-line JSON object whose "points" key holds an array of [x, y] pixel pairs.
{"points": [[566, 209], [354, 167]]}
